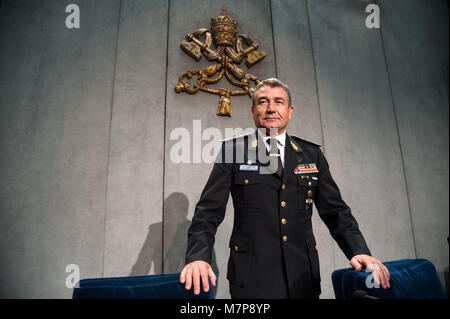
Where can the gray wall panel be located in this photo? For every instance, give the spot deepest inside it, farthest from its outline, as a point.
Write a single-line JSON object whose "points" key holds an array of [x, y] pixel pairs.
{"points": [[54, 122], [359, 128], [133, 243], [186, 181], [415, 36], [295, 66]]}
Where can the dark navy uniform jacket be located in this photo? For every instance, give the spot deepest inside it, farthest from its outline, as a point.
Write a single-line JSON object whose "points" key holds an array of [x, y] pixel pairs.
{"points": [[273, 252]]}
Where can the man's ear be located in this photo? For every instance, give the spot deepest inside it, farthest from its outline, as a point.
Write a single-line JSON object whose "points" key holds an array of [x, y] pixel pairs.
{"points": [[291, 109], [252, 108]]}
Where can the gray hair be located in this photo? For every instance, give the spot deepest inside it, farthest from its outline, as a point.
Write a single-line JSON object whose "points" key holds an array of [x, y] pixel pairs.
{"points": [[272, 82]]}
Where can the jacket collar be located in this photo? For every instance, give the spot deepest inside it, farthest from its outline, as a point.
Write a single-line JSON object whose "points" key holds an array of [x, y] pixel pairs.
{"points": [[293, 154]]}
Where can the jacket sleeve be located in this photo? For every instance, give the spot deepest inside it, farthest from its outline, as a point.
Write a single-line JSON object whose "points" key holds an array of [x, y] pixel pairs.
{"points": [[209, 213], [336, 214]]}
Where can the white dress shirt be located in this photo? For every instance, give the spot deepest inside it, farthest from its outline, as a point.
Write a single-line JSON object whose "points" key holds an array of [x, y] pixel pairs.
{"points": [[281, 143]]}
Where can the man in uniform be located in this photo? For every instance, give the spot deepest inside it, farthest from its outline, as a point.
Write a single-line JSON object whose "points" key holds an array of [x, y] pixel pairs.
{"points": [[273, 251]]}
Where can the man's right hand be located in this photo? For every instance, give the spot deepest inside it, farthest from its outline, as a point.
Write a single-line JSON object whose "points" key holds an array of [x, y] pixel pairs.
{"points": [[193, 272]]}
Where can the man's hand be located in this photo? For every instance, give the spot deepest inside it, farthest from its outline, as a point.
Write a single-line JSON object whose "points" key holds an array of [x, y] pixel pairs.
{"points": [[378, 270], [192, 273]]}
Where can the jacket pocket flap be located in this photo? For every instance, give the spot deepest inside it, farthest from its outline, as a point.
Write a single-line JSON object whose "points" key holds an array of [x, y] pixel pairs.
{"points": [[307, 182], [247, 178], [240, 244]]}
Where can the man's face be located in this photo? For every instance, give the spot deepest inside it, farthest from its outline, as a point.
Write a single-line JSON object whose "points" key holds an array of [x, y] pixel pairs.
{"points": [[271, 109]]}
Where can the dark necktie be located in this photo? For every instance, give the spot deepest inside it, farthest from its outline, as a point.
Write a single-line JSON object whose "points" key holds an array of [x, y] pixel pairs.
{"points": [[273, 143]]}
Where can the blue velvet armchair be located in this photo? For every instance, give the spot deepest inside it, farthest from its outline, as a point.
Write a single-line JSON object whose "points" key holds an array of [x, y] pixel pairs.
{"points": [[410, 279], [164, 286]]}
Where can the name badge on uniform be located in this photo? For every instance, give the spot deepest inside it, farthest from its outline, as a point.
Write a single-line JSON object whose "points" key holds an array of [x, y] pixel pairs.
{"points": [[253, 168], [306, 169]]}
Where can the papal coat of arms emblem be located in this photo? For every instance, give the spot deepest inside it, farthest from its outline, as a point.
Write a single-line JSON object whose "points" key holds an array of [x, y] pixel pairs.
{"points": [[229, 52]]}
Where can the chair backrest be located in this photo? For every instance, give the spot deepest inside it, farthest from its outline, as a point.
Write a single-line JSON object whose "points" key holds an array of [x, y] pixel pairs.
{"points": [[409, 279], [164, 286]]}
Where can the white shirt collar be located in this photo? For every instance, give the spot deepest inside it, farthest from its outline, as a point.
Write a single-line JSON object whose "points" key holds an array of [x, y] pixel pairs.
{"points": [[281, 138]]}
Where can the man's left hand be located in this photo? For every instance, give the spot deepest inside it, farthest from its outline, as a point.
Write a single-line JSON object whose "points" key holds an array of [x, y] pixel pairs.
{"points": [[377, 269]]}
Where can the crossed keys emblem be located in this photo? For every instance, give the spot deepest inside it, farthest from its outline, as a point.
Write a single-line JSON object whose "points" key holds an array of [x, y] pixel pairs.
{"points": [[229, 52]]}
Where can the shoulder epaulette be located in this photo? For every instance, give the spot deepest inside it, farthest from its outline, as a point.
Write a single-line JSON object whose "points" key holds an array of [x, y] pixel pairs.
{"points": [[305, 141], [235, 137]]}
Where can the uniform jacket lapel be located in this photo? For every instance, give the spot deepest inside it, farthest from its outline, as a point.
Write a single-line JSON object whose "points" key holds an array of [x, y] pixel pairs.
{"points": [[291, 157]]}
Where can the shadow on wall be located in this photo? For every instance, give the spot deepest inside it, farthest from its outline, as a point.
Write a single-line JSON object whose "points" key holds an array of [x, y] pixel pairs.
{"points": [[446, 280], [176, 225]]}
